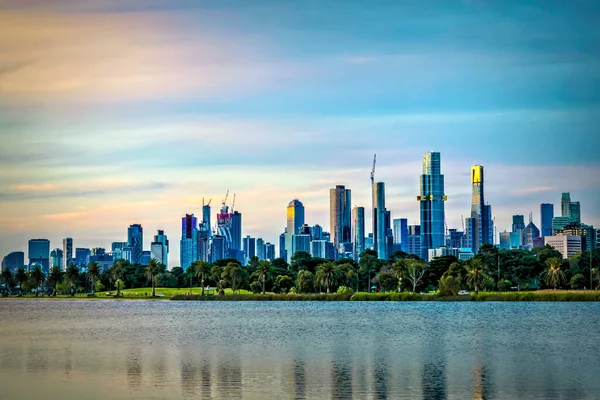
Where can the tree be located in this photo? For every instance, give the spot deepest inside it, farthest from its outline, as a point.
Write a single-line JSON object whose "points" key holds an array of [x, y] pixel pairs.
{"points": [[399, 270], [327, 274], [37, 276], [152, 271], [255, 287], [283, 283], [263, 271], [93, 273], [553, 275], [369, 265], [305, 281], [72, 274], [216, 274], [449, 286], [415, 271], [201, 270], [117, 274], [21, 276], [578, 282], [387, 280], [55, 276], [7, 277], [235, 274], [253, 264], [475, 276]]}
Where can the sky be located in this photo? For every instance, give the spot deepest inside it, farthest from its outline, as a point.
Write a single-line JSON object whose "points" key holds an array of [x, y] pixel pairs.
{"points": [[134, 111]]}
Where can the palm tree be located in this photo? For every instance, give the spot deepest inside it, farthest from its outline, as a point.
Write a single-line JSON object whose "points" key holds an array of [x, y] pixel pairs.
{"points": [[117, 274], [475, 275], [72, 275], [93, 273], [21, 276], [264, 271], [201, 270], [7, 277], [398, 270], [152, 270], [55, 276], [327, 274], [553, 275], [37, 276]]}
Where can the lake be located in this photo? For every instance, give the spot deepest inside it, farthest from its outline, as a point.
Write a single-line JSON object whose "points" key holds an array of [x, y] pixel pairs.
{"points": [[295, 350]]}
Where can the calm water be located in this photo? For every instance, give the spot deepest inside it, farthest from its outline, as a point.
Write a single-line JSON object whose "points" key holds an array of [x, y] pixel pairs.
{"points": [[251, 350]]}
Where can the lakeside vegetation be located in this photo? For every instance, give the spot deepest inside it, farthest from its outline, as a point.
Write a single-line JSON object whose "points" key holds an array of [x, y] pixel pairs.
{"points": [[493, 275]]}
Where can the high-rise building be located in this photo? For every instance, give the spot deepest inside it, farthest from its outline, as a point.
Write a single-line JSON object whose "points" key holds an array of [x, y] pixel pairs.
{"points": [[206, 218], [414, 240], [13, 261], [432, 200], [39, 253], [146, 256], [358, 231], [295, 221], [322, 249], [477, 223], [518, 223], [339, 215], [135, 240], [505, 240], [575, 212], [565, 203], [379, 225], [249, 247], [301, 243], [159, 248], [471, 233], [316, 232], [269, 251], [567, 245], [117, 250], [401, 233], [67, 253], [189, 241], [546, 214], [56, 258], [82, 255], [236, 231], [282, 252], [586, 232], [559, 223], [217, 248], [261, 249], [457, 239], [488, 223]]}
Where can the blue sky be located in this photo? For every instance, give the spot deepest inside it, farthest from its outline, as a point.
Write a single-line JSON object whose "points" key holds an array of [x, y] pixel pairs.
{"points": [[121, 112]]}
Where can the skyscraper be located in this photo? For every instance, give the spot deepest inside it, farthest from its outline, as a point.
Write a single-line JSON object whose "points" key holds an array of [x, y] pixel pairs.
{"points": [[379, 232], [295, 216], [565, 202], [401, 233], [488, 223], [189, 241], [518, 223], [249, 247], [269, 251], [339, 215], [13, 260], [236, 231], [82, 255], [67, 253], [414, 240], [358, 231], [135, 240], [575, 212], [261, 249], [546, 215], [39, 253], [56, 258], [159, 249], [432, 200], [477, 202]]}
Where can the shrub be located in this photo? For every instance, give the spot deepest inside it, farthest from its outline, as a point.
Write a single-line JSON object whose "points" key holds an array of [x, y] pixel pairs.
{"points": [[345, 290], [449, 286], [255, 287]]}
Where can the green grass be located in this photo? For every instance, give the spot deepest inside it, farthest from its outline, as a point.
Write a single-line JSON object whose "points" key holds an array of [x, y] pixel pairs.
{"points": [[165, 293], [269, 297]]}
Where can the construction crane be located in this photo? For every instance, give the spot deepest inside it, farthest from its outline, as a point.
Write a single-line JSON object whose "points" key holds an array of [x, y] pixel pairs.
{"points": [[373, 170], [208, 202], [233, 204], [225, 199]]}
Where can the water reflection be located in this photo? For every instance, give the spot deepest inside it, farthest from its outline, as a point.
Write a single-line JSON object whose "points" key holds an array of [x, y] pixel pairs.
{"points": [[37, 359], [299, 376], [341, 377], [380, 372], [480, 387], [229, 376], [134, 368]]}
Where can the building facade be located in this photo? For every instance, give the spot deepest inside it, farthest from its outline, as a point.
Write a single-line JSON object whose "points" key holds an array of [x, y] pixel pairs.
{"points": [[135, 240], [432, 199], [13, 261], [567, 245], [358, 231], [546, 216], [67, 253], [188, 245], [340, 207], [159, 248], [39, 253], [379, 220]]}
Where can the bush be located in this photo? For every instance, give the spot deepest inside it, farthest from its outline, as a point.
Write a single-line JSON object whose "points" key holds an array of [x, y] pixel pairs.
{"points": [[345, 290], [389, 296], [268, 297], [578, 282], [256, 287], [449, 286]]}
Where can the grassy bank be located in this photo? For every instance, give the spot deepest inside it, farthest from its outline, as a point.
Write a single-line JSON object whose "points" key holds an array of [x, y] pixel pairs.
{"points": [[268, 297]]}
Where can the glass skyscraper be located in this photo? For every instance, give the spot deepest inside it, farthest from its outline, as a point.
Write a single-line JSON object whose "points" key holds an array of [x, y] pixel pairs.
{"points": [[135, 240], [547, 213], [379, 220], [295, 221], [358, 231], [432, 200], [188, 252], [339, 215], [67, 253], [39, 253]]}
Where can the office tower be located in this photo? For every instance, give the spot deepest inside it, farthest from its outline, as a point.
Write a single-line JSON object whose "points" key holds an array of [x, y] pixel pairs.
{"points": [[379, 232], [532, 228], [269, 251], [389, 234], [13, 261], [117, 250], [477, 203], [518, 223], [586, 232], [301, 243], [82, 255], [456, 239], [369, 242], [546, 214], [159, 248], [249, 247], [39, 253], [261, 249], [401, 233], [340, 215], [322, 249], [567, 245], [135, 240], [295, 216], [316, 232], [146, 256], [206, 218], [505, 240], [100, 257], [358, 231], [488, 223], [414, 240], [67, 253], [471, 233], [282, 252], [56, 258], [575, 212], [217, 248], [565, 203], [236, 231], [559, 223], [432, 200], [189, 241]]}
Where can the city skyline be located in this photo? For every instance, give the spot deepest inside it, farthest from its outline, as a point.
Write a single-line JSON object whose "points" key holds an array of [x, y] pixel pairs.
{"points": [[214, 99]]}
